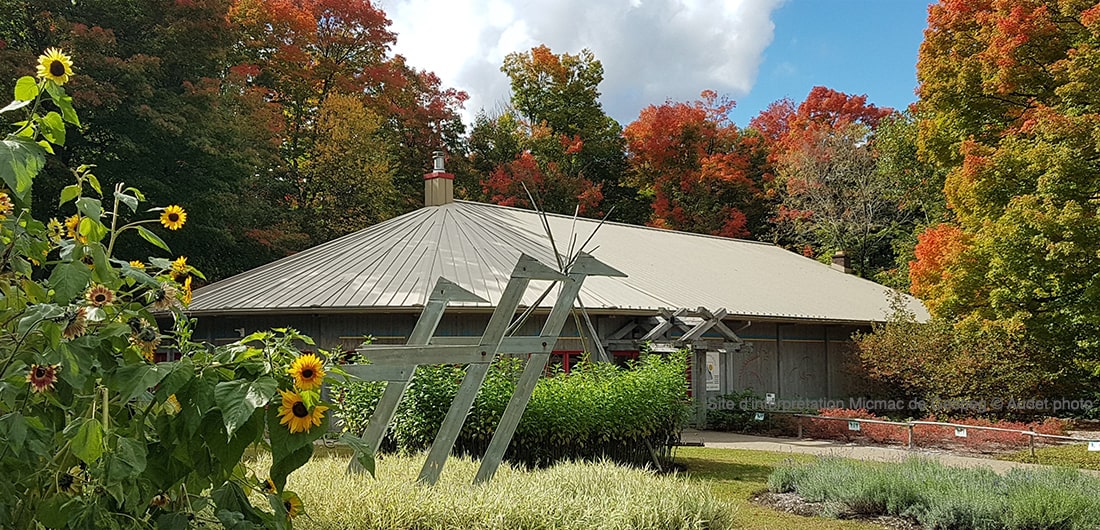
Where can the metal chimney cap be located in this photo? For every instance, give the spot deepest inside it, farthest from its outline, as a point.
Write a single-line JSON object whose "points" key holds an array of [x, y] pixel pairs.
{"points": [[437, 160]]}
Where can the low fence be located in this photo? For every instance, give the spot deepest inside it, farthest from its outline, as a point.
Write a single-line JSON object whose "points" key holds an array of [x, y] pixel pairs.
{"points": [[960, 429]]}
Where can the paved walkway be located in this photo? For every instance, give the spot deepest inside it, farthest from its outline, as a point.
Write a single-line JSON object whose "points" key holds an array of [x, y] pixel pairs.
{"points": [[725, 440]]}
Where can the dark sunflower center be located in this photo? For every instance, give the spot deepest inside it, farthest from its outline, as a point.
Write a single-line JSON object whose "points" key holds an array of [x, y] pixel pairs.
{"points": [[57, 68], [65, 481], [100, 297], [307, 373], [288, 506], [173, 217], [299, 409], [40, 372]]}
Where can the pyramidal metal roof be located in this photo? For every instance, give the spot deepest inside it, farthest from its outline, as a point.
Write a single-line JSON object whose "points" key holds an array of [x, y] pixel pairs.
{"points": [[393, 265]]}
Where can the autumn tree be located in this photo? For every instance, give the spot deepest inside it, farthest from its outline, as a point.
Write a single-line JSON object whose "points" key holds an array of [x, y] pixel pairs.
{"points": [[829, 194], [1011, 113], [704, 173], [161, 112], [562, 128]]}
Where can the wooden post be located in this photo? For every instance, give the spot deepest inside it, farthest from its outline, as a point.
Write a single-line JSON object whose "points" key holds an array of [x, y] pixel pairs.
{"points": [[798, 420], [910, 429], [1031, 444]]}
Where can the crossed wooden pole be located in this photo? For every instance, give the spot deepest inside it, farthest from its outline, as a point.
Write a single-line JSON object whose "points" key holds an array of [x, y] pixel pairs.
{"points": [[396, 364]]}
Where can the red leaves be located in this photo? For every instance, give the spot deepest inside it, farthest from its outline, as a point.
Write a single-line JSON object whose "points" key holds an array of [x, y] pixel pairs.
{"points": [[937, 249], [552, 188]]}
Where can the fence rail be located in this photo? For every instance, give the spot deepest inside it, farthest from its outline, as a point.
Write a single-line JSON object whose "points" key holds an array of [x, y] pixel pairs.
{"points": [[909, 425]]}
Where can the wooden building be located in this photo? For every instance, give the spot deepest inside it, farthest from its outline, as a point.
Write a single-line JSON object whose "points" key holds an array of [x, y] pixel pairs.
{"points": [[756, 315]]}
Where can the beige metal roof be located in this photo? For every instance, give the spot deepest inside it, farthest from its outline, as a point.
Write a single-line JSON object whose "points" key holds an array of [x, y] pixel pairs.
{"points": [[394, 264]]}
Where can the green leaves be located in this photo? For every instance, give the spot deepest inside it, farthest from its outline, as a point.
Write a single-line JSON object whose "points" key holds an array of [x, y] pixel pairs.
{"points": [[127, 460], [69, 280], [87, 443], [363, 453], [20, 160], [149, 236], [238, 399], [53, 128], [26, 89]]}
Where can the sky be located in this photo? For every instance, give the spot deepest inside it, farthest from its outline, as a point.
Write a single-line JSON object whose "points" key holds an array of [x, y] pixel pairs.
{"points": [[752, 51]]}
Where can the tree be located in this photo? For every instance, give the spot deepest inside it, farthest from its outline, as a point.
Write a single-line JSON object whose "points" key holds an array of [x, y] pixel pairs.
{"points": [[703, 172], [564, 128], [829, 192], [161, 114], [346, 179], [1009, 112]]}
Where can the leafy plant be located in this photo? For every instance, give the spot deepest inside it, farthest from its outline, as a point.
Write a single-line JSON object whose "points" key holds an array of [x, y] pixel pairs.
{"points": [[94, 432]]}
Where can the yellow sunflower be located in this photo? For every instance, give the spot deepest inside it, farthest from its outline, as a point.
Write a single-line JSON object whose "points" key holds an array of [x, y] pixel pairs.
{"points": [[296, 415], [173, 217], [56, 229], [179, 268], [6, 205], [307, 371], [292, 504], [186, 296], [268, 486], [42, 377], [55, 66], [137, 264], [73, 225], [70, 481], [165, 297], [100, 295], [173, 403]]}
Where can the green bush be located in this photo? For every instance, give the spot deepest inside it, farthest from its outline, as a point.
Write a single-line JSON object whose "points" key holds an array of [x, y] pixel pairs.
{"points": [[567, 496], [937, 496], [598, 410]]}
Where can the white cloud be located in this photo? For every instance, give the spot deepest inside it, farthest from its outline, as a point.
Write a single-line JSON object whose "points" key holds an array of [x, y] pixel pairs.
{"points": [[651, 50]]}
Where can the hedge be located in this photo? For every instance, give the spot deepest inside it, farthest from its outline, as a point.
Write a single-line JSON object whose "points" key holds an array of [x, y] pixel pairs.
{"points": [[598, 410]]}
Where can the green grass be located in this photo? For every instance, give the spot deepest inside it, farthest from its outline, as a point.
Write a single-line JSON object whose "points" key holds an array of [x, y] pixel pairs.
{"points": [[939, 496], [1076, 456], [566, 496], [735, 475]]}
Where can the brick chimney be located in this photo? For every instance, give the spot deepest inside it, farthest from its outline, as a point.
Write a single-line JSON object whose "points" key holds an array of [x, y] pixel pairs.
{"points": [[439, 186], [842, 262]]}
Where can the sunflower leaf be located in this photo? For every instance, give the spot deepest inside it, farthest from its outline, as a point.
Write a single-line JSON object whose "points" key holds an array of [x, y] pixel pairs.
{"points": [[26, 89], [65, 103], [90, 206], [290, 451], [87, 444], [132, 380], [20, 160], [127, 460], [14, 105], [238, 399], [129, 200], [363, 453], [149, 236], [69, 193], [53, 128]]}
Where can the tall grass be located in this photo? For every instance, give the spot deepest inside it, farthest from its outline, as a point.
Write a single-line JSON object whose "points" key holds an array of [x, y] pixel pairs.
{"points": [[942, 497], [571, 495]]}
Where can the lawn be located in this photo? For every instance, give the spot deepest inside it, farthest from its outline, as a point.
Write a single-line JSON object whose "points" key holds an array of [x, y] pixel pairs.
{"points": [[735, 475], [1076, 456]]}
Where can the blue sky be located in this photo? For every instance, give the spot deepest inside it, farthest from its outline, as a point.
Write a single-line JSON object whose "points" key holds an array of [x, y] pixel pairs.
{"points": [[753, 51], [854, 46]]}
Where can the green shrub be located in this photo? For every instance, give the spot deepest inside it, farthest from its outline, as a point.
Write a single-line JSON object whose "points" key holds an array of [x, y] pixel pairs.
{"points": [[569, 495], [598, 410], [937, 496]]}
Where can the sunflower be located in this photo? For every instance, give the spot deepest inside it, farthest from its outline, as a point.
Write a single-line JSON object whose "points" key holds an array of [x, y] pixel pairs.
{"points": [[186, 296], [173, 217], [42, 377], [180, 269], [75, 324], [73, 224], [56, 229], [160, 500], [6, 205], [307, 371], [137, 265], [70, 481], [165, 297], [99, 295], [268, 486], [55, 66], [292, 504], [296, 416]]}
